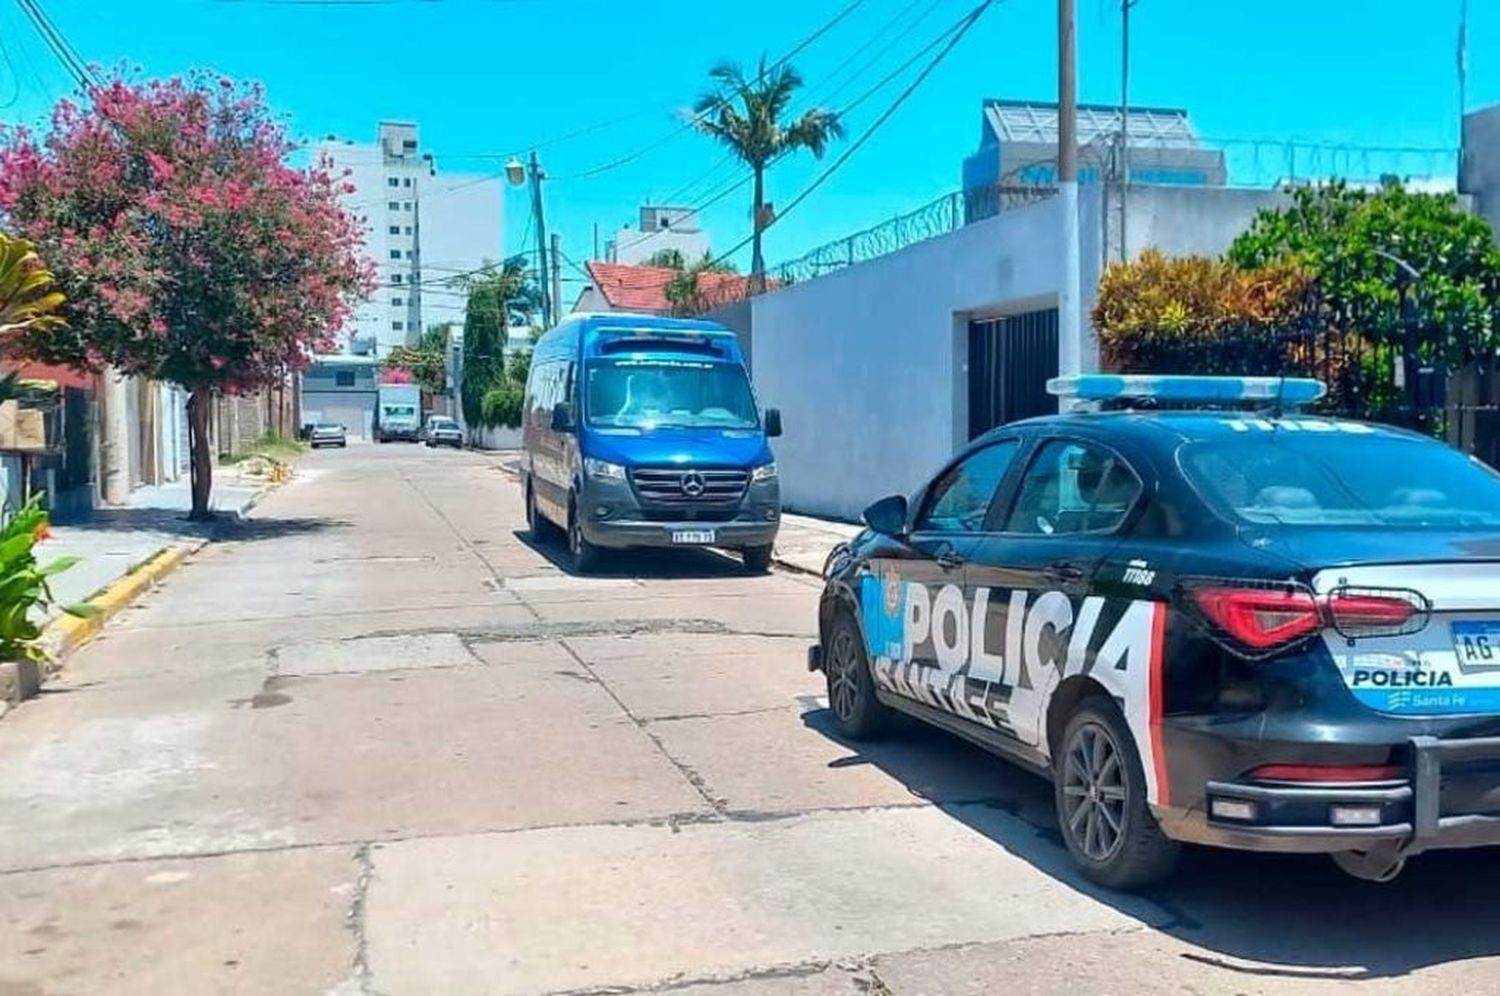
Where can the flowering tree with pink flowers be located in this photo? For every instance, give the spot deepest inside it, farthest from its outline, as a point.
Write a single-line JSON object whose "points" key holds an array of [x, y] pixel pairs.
{"points": [[187, 249]]}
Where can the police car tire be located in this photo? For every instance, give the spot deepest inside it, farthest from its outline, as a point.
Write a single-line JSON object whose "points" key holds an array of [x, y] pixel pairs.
{"points": [[1145, 855], [870, 718]]}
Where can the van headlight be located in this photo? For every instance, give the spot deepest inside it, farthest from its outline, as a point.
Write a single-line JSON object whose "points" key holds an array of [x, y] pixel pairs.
{"points": [[765, 472], [603, 470]]}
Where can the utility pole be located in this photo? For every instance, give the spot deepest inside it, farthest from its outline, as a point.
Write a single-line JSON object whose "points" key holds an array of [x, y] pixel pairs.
{"points": [[1124, 154], [541, 239], [1069, 324], [1463, 83], [557, 273]]}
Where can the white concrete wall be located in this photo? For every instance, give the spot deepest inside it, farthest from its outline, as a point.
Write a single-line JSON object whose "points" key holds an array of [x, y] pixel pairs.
{"points": [[459, 231], [1183, 221], [868, 364]]}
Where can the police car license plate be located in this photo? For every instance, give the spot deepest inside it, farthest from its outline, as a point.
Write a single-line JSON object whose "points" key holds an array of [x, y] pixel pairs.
{"points": [[1477, 645], [701, 536]]}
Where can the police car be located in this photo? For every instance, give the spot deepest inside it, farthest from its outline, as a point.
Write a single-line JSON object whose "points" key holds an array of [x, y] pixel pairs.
{"points": [[1253, 629]]}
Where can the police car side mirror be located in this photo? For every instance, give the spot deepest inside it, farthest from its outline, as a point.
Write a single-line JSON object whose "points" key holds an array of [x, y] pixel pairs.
{"points": [[773, 421], [562, 418], [888, 516]]}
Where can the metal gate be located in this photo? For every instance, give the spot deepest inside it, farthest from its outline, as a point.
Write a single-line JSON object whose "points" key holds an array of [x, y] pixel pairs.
{"points": [[1010, 360]]}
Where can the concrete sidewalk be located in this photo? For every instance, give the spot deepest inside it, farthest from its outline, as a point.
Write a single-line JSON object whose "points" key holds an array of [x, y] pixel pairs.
{"points": [[804, 542], [112, 542]]}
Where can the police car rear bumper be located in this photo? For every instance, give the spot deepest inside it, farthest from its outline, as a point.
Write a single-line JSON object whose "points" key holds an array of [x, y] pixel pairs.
{"points": [[1449, 799]]}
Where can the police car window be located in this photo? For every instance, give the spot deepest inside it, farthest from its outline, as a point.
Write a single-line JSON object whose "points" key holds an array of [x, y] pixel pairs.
{"points": [[957, 501], [1073, 488], [1343, 479]]}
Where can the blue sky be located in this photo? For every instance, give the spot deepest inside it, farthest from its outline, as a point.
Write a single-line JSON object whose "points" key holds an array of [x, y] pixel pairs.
{"points": [[489, 77]]}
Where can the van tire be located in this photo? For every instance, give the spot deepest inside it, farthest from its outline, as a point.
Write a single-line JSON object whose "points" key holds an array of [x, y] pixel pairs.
{"points": [[585, 555], [1137, 853], [757, 558], [541, 528]]}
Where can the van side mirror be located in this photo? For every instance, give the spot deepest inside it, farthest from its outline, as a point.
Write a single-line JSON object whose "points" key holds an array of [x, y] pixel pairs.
{"points": [[888, 516], [773, 421], [562, 417]]}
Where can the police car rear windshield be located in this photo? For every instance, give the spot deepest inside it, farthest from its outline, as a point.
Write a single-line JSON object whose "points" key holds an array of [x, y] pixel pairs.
{"points": [[1339, 479], [646, 393]]}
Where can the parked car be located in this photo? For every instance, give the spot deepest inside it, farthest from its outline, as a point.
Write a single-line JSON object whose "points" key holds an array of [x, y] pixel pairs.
{"points": [[1275, 632], [327, 434], [443, 431], [641, 431]]}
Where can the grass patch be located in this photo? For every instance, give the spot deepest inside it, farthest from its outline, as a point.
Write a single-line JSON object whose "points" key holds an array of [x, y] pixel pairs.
{"points": [[273, 445]]}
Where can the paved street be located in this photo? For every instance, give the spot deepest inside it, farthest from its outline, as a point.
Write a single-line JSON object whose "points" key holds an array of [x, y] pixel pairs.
{"points": [[374, 742]]}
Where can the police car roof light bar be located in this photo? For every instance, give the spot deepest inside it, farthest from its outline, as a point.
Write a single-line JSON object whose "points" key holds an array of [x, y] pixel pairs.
{"points": [[1187, 388]]}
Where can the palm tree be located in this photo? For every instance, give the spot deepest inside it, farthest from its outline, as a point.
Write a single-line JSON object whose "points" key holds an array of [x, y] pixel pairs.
{"points": [[28, 299], [746, 115]]}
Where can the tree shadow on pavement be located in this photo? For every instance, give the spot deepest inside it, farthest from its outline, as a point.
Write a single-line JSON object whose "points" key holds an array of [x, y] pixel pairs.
{"points": [[1269, 915], [646, 563], [174, 522]]}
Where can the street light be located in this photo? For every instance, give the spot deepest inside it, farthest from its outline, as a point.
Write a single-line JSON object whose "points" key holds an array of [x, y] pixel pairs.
{"points": [[516, 172]]}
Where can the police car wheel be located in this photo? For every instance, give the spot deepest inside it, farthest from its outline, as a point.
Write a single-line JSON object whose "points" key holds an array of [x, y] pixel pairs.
{"points": [[857, 713], [1100, 792]]}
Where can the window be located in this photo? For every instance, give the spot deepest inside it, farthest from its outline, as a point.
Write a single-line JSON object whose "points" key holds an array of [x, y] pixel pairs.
{"points": [[395, 278], [396, 326], [406, 206], [1073, 488], [395, 254], [408, 229], [406, 181], [644, 392], [958, 501], [408, 254], [394, 205], [394, 229], [397, 302], [343, 378], [1343, 479], [393, 181]]}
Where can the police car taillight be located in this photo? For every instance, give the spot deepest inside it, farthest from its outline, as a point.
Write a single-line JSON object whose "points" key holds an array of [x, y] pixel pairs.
{"points": [[1260, 618], [1263, 618], [1369, 612]]}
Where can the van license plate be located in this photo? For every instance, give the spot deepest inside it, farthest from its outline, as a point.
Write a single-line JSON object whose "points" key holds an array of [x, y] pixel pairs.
{"points": [[696, 536]]}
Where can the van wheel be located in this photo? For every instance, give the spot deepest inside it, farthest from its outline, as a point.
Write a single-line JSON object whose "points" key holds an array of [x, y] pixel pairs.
{"points": [[540, 527], [1099, 788], [585, 555], [757, 559], [857, 712]]}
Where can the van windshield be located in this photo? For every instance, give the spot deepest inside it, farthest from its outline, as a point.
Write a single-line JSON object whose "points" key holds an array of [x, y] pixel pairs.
{"points": [[645, 393]]}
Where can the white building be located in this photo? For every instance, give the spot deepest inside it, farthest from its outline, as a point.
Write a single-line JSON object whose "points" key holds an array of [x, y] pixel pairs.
{"points": [[660, 228], [421, 230]]}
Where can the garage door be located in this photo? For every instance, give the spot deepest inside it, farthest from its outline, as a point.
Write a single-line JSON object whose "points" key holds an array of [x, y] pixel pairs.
{"points": [[355, 412]]}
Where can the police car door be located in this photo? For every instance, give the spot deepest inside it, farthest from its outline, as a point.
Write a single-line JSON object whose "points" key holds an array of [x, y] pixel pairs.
{"points": [[1035, 576], [916, 610]]}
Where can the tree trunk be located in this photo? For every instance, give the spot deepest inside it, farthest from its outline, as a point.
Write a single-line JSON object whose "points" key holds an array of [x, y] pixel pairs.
{"points": [[114, 439], [757, 262], [200, 455]]}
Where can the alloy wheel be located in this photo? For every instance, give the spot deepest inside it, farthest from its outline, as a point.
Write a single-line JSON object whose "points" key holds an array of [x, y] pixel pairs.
{"points": [[1094, 792], [843, 662]]}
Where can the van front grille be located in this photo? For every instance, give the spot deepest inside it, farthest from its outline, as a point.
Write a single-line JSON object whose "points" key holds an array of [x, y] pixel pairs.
{"points": [[689, 487]]}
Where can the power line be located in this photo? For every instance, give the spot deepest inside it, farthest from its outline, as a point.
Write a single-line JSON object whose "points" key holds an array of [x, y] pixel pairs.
{"points": [[692, 122], [953, 32], [71, 61], [958, 32]]}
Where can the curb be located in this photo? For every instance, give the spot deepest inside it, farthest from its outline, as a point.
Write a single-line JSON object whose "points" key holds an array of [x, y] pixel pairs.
{"points": [[66, 633]]}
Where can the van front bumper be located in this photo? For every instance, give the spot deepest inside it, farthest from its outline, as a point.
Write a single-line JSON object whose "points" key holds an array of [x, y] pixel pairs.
{"points": [[735, 533]]}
